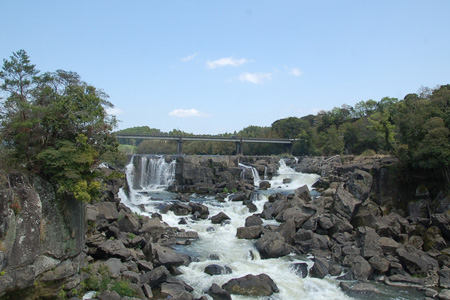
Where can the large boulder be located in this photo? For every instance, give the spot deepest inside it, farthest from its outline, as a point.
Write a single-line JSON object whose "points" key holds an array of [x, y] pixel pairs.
{"points": [[219, 218], [249, 233], [155, 277], [368, 241], [107, 210], [215, 269], [272, 245], [344, 203], [307, 241], [361, 268], [253, 220], [416, 261], [251, 285], [360, 184], [320, 268], [199, 210], [166, 256], [442, 221]]}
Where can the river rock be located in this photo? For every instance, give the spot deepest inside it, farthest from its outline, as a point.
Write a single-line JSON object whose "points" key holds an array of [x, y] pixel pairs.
{"points": [[217, 270], [301, 269], [219, 218], [237, 197], [264, 185], [272, 245], [180, 209], [303, 193], [359, 289], [217, 293], [253, 220], [251, 232], [307, 241], [167, 256], [202, 210], [361, 268], [288, 230], [251, 285], [320, 268]]}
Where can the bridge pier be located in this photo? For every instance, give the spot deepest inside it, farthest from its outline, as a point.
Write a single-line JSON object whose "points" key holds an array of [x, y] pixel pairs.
{"points": [[291, 148], [239, 148], [180, 146]]}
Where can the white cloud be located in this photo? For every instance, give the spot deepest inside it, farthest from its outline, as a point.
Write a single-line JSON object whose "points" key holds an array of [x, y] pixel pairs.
{"points": [[255, 78], [186, 113], [226, 61], [295, 72], [189, 57], [113, 111]]}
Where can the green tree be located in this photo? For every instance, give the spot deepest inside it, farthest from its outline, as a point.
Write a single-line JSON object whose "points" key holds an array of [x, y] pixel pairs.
{"points": [[56, 126]]}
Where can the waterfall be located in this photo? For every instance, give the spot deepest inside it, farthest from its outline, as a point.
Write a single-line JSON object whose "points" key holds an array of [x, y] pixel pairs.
{"points": [[151, 172], [255, 174]]}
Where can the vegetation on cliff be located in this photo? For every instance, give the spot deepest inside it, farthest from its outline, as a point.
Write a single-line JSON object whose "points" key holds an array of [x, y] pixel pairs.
{"points": [[55, 125]]}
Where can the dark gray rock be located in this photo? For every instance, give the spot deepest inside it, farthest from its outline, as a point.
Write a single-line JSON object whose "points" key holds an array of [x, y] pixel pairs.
{"points": [[251, 285], [368, 241], [201, 209], [360, 184], [107, 210], [237, 197], [253, 220], [287, 231], [416, 261], [264, 185], [175, 291], [361, 269], [344, 203], [320, 268], [155, 277], [217, 270], [444, 278], [252, 232], [113, 248], [359, 289], [307, 241], [129, 223], [167, 256], [303, 193], [217, 293], [272, 245], [379, 264], [301, 269], [219, 218], [181, 209]]}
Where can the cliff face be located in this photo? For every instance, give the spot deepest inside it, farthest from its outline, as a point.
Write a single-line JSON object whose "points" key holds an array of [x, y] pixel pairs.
{"points": [[41, 239]]}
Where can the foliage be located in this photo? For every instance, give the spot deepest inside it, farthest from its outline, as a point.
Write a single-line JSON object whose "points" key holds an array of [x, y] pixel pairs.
{"points": [[55, 125]]}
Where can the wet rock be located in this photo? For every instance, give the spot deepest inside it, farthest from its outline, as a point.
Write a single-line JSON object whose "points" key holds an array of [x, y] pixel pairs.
{"points": [[181, 209], [219, 218], [264, 185], [251, 285], [218, 293], [301, 269], [167, 256], [272, 245], [237, 197], [359, 289], [252, 232], [201, 209], [320, 268], [217, 270]]}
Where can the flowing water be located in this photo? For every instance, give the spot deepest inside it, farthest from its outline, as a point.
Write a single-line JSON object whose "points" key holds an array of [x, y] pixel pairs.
{"points": [[220, 240]]}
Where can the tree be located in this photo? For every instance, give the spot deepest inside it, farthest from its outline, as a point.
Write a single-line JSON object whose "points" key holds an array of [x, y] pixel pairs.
{"points": [[56, 126]]}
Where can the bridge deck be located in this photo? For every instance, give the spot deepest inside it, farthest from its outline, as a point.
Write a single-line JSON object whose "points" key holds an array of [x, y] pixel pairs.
{"points": [[205, 138]]}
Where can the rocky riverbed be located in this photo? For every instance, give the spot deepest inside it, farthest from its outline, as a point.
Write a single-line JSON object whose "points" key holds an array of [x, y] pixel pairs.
{"points": [[355, 231]]}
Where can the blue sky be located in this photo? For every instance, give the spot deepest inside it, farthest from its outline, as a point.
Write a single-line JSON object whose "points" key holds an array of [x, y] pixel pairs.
{"points": [[211, 67]]}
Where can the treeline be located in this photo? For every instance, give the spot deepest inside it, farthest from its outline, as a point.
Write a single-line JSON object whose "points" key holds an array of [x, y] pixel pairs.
{"points": [[415, 129]]}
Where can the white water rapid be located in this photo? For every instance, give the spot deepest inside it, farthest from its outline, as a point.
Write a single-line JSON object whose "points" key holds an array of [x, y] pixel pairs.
{"points": [[238, 254]]}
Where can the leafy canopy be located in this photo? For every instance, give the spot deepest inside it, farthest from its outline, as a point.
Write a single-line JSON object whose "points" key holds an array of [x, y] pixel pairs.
{"points": [[55, 125]]}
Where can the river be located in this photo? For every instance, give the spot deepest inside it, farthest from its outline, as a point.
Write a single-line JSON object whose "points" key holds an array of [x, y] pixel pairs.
{"points": [[238, 254]]}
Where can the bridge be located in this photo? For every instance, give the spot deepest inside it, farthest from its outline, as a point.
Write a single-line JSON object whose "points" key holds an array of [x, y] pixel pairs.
{"points": [[238, 140]]}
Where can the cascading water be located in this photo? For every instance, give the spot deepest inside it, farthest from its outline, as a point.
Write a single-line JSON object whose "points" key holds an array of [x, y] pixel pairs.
{"points": [[151, 172], [255, 174], [239, 254]]}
